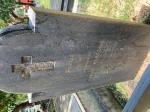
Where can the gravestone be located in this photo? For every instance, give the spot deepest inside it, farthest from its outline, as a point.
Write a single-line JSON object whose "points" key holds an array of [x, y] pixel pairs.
{"points": [[85, 51]]}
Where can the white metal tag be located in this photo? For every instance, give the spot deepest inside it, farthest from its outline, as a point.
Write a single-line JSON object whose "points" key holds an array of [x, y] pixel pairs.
{"points": [[32, 19]]}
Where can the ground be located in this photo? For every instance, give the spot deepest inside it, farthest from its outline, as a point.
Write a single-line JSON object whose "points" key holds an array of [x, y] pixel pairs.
{"points": [[120, 9]]}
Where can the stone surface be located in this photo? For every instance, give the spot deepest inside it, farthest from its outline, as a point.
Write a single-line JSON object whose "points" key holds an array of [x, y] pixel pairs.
{"points": [[87, 51]]}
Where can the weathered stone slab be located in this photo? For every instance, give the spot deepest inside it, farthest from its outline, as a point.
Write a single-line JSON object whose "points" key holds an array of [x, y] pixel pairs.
{"points": [[87, 51]]}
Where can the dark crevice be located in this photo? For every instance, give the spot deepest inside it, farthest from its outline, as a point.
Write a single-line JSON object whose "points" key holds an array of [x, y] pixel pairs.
{"points": [[62, 5], [13, 29]]}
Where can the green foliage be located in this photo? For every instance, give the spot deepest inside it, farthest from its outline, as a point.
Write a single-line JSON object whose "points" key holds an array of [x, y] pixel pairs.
{"points": [[9, 101], [44, 3], [83, 6], [19, 11], [119, 94], [6, 6], [51, 106], [146, 18], [2, 24]]}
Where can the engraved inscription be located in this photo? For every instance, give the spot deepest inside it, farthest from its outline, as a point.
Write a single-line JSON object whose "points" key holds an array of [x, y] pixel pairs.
{"points": [[76, 63], [107, 53]]}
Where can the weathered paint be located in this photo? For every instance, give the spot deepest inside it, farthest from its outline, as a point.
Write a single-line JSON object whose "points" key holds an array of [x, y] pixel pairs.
{"points": [[88, 52]]}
